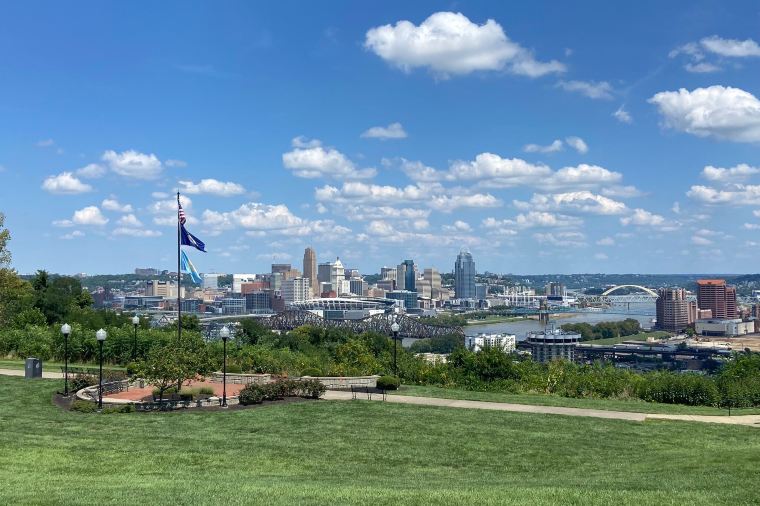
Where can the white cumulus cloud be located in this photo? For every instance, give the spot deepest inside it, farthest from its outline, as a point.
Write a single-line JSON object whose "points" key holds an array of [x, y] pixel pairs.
{"points": [[577, 144], [112, 204], [212, 186], [392, 131], [718, 111], [643, 218], [622, 115], [449, 43], [537, 148], [314, 160], [740, 172], [65, 183], [133, 164]]}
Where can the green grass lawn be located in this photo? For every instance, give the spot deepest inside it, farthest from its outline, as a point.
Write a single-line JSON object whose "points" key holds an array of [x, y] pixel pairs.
{"points": [[641, 336], [361, 452], [634, 405], [53, 366]]}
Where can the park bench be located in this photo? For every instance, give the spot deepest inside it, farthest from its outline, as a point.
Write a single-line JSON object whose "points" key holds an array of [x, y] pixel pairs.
{"points": [[356, 389]]}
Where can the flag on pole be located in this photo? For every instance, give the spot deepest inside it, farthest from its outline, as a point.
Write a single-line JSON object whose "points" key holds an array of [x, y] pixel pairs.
{"points": [[181, 213], [188, 239], [189, 268]]}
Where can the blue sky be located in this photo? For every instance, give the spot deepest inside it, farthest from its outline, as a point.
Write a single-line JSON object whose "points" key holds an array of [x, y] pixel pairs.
{"points": [[546, 138]]}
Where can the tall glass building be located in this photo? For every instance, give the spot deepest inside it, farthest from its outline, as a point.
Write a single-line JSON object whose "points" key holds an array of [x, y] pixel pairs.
{"points": [[464, 276]]}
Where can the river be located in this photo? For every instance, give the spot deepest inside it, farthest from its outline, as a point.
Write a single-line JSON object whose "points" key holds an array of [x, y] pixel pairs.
{"points": [[521, 327]]}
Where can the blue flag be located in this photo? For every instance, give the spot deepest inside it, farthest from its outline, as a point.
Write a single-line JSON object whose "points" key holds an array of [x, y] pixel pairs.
{"points": [[188, 239], [189, 268]]}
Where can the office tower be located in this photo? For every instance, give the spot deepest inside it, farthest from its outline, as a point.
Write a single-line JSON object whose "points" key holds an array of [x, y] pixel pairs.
{"points": [[210, 281], [432, 279], [310, 270], [388, 273], [281, 268], [715, 295], [464, 276], [672, 309], [239, 279], [556, 290], [406, 276], [481, 291], [296, 290], [337, 276], [323, 272], [357, 286]]}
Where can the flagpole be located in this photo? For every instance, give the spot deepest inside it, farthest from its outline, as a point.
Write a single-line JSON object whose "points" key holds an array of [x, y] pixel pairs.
{"points": [[179, 275]]}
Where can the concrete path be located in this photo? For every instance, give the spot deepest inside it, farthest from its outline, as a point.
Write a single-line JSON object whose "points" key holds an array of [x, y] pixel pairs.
{"points": [[45, 374], [748, 420]]}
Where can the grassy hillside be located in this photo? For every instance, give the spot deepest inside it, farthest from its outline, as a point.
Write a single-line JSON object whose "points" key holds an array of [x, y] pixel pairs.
{"points": [[358, 452]]}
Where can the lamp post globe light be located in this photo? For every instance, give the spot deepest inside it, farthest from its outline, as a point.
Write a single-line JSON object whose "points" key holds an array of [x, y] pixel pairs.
{"points": [[395, 328], [66, 331], [101, 336], [224, 334], [135, 323]]}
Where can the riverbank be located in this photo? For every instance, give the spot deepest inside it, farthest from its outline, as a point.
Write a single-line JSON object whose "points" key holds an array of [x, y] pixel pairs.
{"points": [[510, 319]]}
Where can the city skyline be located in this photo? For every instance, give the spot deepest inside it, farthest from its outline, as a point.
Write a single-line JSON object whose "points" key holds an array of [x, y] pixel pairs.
{"points": [[543, 140]]}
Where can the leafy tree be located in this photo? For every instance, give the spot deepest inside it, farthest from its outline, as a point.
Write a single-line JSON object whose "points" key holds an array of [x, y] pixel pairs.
{"points": [[5, 236], [168, 365], [16, 300]]}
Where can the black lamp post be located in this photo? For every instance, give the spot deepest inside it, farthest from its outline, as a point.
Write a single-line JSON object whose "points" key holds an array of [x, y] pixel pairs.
{"points": [[135, 323], [224, 334], [66, 330], [101, 336], [395, 328]]}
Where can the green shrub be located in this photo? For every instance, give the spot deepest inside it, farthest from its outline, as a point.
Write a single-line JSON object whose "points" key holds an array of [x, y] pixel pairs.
{"points": [[252, 393], [204, 390], [234, 369], [312, 389], [187, 394], [388, 382], [125, 408], [132, 368], [167, 393], [81, 381], [84, 406], [311, 371]]}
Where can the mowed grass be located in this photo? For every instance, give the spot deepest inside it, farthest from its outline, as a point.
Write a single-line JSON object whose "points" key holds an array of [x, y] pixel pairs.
{"points": [[361, 452], [633, 405]]}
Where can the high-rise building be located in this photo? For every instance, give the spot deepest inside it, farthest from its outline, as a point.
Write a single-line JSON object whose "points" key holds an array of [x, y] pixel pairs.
{"points": [[406, 276], [715, 295], [481, 291], [296, 290], [432, 280], [283, 268], [337, 276], [464, 276], [388, 273], [672, 309], [408, 298], [555, 290], [357, 286], [239, 279], [158, 288], [210, 281], [310, 270], [324, 271]]}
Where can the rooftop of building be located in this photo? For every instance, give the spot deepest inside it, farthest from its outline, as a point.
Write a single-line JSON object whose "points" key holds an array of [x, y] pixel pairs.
{"points": [[708, 282]]}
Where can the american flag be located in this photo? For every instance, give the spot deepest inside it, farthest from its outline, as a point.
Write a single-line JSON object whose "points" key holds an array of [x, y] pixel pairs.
{"points": [[181, 213]]}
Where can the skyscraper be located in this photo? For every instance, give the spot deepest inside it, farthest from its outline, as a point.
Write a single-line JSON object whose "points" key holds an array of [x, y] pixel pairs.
{"points": [[715, 295], [337, 277], [672, 309], [406, 276], [464, 276], [310, 270]]}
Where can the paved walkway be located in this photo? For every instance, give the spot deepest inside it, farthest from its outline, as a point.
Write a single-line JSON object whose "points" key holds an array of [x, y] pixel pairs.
{"points": [[749, 420], [45, 374]]}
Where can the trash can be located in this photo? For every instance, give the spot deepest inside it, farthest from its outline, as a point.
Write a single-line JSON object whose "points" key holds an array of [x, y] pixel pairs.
{"points": [[33, 368]]}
